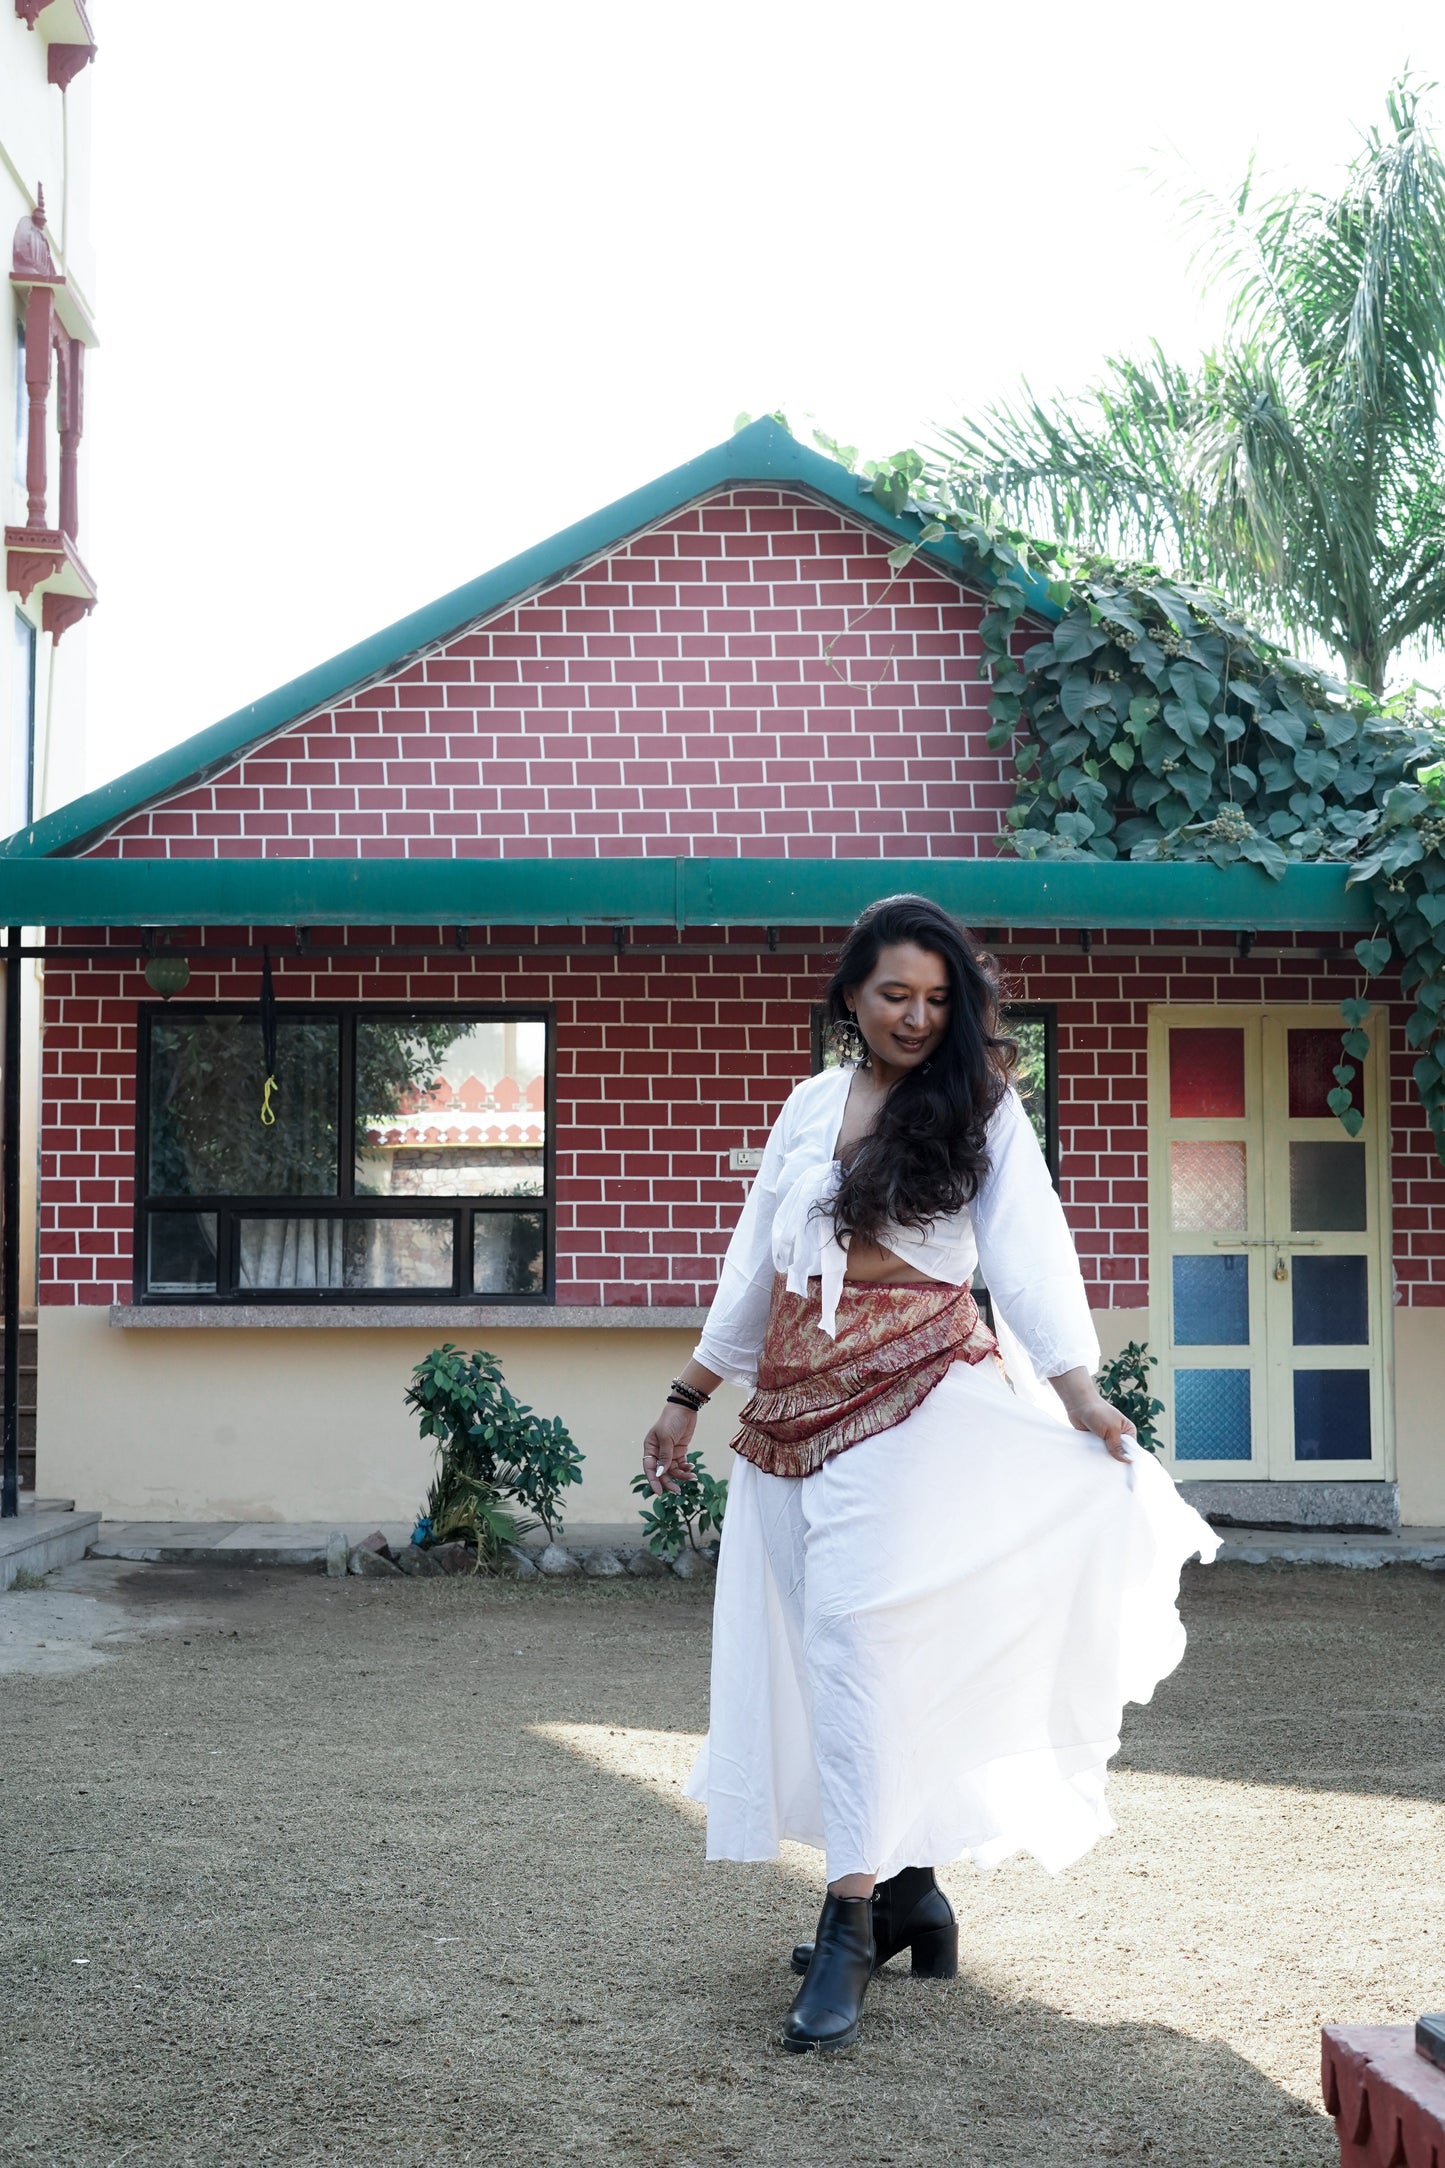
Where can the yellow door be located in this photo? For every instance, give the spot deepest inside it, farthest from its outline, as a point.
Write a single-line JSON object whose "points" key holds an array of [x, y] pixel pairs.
{"points": [[1269, 1248]]}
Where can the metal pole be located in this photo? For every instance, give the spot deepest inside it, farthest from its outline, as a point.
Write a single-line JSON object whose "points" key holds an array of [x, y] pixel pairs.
{"points": [[10, 1233]]}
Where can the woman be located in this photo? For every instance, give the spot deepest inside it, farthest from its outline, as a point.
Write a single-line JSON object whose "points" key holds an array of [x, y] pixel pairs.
{"points": [[934, 1596]]}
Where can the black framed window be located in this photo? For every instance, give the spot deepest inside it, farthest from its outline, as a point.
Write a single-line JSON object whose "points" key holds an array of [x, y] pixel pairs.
{"points": [[1034, 1026], [408, 1156]]}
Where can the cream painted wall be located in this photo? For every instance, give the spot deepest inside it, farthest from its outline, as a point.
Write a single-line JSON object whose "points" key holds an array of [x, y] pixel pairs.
{"points": [[1116, 1328], [278, 1424], [284, 1424], [1420, 1416]]}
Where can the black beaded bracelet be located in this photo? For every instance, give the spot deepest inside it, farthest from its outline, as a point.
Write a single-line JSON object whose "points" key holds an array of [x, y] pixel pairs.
{"points": [[691, 1396], [675, 1400]]}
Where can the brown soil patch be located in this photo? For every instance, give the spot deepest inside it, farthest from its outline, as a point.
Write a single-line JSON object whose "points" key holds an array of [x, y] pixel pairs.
{"points": [[383, 1873]]}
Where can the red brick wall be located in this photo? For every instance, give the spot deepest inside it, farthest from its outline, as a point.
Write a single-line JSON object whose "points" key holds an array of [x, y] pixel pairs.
{"points": [[665, 1061], [745, 679], [1103, 1029]]}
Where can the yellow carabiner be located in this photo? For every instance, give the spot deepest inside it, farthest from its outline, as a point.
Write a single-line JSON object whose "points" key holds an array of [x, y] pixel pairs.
{"points": [[266, 1115]]}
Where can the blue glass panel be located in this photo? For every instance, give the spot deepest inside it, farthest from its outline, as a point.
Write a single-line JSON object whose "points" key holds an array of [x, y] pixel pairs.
{"points": [[1211, 1415], [1332, 1415], [1211, 1301], [1331, 1302]]}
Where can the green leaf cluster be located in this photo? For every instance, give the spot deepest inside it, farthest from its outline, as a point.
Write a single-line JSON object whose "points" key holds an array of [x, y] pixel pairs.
{"points": [[494, 1455], [1152, 723], [1124, 1383], [678, 1520]]}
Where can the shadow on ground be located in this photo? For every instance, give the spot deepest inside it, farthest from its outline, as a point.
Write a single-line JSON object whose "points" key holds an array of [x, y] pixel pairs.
{"points": [[305, 1877]]}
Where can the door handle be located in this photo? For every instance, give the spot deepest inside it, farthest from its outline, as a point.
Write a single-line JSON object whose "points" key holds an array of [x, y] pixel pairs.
{"points": [[1266, 1242]]}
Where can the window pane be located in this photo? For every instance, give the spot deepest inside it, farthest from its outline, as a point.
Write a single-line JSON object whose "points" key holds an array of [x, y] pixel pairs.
{"points": [[508, 1253], [181, 1253], [353, 1254], [1211, 1301], [1206, 1188], [1332, 1415], [1313, 1058], [1030, 1077], [207, 1074], [22, 727], [451, 1107], [1327, 1187], [1211, 1415], [1206, 1074], [1331, 1301]]}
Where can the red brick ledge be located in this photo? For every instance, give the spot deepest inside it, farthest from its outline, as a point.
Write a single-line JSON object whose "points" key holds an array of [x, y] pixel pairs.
{"points": [[1388, 2101], [363, 1317]]}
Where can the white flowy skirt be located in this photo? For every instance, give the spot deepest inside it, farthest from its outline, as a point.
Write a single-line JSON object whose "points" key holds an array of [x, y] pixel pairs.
{"points": [[922, 1651]]}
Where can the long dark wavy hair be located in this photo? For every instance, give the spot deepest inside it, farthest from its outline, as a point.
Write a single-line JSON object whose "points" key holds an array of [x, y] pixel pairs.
{"points": [[927, 1153]]}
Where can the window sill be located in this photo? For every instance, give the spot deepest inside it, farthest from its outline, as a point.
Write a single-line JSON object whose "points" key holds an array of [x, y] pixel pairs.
{"points": [[370, 1317]]}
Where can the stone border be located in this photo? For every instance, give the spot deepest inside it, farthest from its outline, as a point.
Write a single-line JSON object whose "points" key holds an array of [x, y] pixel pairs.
{"points": [[373, 1559]]}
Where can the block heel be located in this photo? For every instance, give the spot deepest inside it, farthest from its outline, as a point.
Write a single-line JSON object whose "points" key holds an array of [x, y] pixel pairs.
{"points": [[910, 1912], [935, 1954]]}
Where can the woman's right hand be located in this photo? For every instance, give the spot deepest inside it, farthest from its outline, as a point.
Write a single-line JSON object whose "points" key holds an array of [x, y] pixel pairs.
{"points": [[664, 1449]]}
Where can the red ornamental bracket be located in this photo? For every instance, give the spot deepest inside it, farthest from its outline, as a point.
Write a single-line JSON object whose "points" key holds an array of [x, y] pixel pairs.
{"points": [[1387, 2100]]}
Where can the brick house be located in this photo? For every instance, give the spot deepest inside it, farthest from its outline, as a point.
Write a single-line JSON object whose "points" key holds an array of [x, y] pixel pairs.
{"points": [[547, 877]]}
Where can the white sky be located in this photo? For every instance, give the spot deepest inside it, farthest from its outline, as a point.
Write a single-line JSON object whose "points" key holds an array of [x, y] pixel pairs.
{"points": [[389, 292]]}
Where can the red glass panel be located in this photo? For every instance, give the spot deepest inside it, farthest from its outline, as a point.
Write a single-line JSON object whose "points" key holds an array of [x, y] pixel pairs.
{"points": [[1206, 1074], [1313, 1056]]}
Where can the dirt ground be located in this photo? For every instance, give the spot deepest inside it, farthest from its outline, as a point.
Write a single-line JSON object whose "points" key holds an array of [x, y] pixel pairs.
{"points": [[348, 1872]]}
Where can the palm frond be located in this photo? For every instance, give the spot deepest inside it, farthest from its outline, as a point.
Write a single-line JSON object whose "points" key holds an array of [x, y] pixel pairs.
{"points": [[1299, 466]]}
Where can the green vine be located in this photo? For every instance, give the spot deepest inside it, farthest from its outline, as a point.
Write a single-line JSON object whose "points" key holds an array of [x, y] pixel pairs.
{"points": [[1151, 723]]}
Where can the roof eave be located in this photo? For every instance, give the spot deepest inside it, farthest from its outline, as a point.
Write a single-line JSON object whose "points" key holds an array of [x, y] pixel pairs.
{"points": [[754, 892]]}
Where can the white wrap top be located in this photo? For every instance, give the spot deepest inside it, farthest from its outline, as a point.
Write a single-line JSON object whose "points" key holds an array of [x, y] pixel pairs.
{"points": [[1014, 1229]]}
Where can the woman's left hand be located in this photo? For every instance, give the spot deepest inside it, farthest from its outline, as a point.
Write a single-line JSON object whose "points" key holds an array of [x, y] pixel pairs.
{"points": [[1087, 1409]]}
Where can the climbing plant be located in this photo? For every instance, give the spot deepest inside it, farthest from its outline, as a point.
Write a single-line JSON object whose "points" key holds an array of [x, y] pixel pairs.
{"points": [[1151, 722]]}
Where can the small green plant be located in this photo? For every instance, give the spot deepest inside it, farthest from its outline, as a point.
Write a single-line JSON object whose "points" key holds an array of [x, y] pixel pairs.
{"points": [[493, 1455], [1124, 1383], [675, 1520], [26, 1580]]}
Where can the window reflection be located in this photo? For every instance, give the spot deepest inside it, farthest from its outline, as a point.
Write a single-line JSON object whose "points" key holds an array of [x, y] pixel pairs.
{"points": [[449, 1109], [207, 1074]]}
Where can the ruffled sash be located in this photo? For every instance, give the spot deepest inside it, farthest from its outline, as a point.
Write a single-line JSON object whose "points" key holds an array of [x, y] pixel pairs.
{"points": [[819, 1393]]}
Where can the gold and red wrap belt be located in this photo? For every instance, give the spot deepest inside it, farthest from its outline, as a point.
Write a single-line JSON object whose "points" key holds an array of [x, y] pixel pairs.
{"points": [[816, 1396]]}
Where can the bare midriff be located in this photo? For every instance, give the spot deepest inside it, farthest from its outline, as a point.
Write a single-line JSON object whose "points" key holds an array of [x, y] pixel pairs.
{"points": [[874, 1266]]}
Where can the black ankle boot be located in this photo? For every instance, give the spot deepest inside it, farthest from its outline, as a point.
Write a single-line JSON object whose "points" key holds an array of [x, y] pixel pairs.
{"points": [[827, 2007], [910, 1911]]}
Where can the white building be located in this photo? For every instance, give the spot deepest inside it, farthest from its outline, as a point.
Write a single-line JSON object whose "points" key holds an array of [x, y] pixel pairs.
{"points": [[46, 47]]}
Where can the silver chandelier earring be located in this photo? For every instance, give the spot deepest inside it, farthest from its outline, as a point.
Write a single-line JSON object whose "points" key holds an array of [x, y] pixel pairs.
{"points": [[848, 1041]]}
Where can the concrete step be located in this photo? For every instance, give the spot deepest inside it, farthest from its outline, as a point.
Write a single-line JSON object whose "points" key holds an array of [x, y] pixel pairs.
{"points": [[1319, 1547], [232, 1543], [37, 1541]]}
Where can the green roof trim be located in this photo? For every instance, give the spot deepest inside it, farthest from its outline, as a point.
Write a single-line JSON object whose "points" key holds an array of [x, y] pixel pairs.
{"points": [[762, 455], [755, 892]]}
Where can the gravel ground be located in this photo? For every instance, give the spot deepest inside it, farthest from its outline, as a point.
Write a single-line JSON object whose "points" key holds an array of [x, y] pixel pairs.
{"points": [[352, 1872]]}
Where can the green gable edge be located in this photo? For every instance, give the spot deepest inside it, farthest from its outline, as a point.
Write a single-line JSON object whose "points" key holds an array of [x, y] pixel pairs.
{"points": [[763, 454]]}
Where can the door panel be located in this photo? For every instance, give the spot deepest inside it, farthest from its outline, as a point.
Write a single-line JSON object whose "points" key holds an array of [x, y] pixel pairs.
{"points": [[1269, 1236]]}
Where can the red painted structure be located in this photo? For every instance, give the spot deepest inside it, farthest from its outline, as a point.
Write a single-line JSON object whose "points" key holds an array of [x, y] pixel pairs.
{"points": [[746, 678], [1388, 2102], [36, 552]]}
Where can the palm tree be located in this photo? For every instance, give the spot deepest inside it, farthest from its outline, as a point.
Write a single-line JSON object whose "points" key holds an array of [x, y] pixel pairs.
{"points": [[1299, 467]]}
